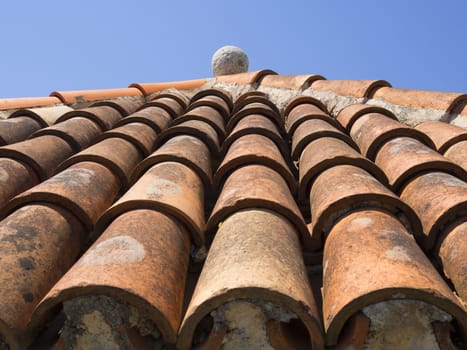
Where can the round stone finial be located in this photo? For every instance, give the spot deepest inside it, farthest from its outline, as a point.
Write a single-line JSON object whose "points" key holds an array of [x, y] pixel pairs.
{"points": [[229, 60]]}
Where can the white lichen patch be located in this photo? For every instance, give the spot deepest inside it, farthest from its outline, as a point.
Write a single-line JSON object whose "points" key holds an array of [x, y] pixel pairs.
{"points": [[403, 324], [245, 323], [101, 322], [116, 250], [398, 253], [163, 187]]}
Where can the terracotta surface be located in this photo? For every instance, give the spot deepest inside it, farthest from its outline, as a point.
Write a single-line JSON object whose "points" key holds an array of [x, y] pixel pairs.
{"points": [[326, 152], [256, 108], [17, 129], [174, 94], [454, 259], [149, 88], [43, 154], [403, 158], [350, 114], [39, 242], [170, 188], [260, 125], [372, 130], [124, 106], [255, 255], [45, 115], [302, 99], [78, 96], [70, 190], [254, 149], [196, 128], [355, 88], [438, 199], [150, 277], [445, 101], [169, 104], [26, 102], [257, 186], [443, 135], [116, 154], [458, 154], [155, 117], [207, 114], [217, 98], [307, 111], [140, 135], [245, 78], [391, 266], [294, 82], [354, 334], [346, 188], [313, 129], [185, 149], [15, 177], [256, 101], [78, 132], [249, 94], [104, 116]]}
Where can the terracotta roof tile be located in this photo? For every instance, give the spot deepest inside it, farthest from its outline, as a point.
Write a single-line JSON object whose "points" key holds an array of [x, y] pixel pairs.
{"points": [[171, 188], [45, 116], [79, 132], [306, 112], [294, 82], [155, 117], [242, 264], [302, 99], [140, 254], [254, 149], [370, 258], [350, 114], [174, 94], [184, 149], [458, 154], [77, 96], [140, 135], [70, 190], [115, 153], [125, 107], [27, 102], [445, 101], [355, 88], [313, 129], [327, 152], [439, 199], [216, 98], [249, 94], [453, 258], [45, 241], [257, 186], [17, 129], [442, 134], [150, 88], [260, 125], [16, 178], [346, 188], [207, 114], [43, 154], [256, 108], [255, 102], [372, 130], [170, 104], [196, 128], [104, 116], [245, 78], [403, 158]]}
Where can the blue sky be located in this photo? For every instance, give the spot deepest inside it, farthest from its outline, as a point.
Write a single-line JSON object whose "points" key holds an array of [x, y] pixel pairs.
{"points": [[70, 45]]}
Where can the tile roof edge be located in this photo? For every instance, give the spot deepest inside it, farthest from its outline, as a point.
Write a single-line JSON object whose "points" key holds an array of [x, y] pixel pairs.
{"points": [[77, 96], [28, 102]]}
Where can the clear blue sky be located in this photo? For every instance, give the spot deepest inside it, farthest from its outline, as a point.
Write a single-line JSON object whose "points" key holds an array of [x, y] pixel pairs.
{"points": [[69, 45]]}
